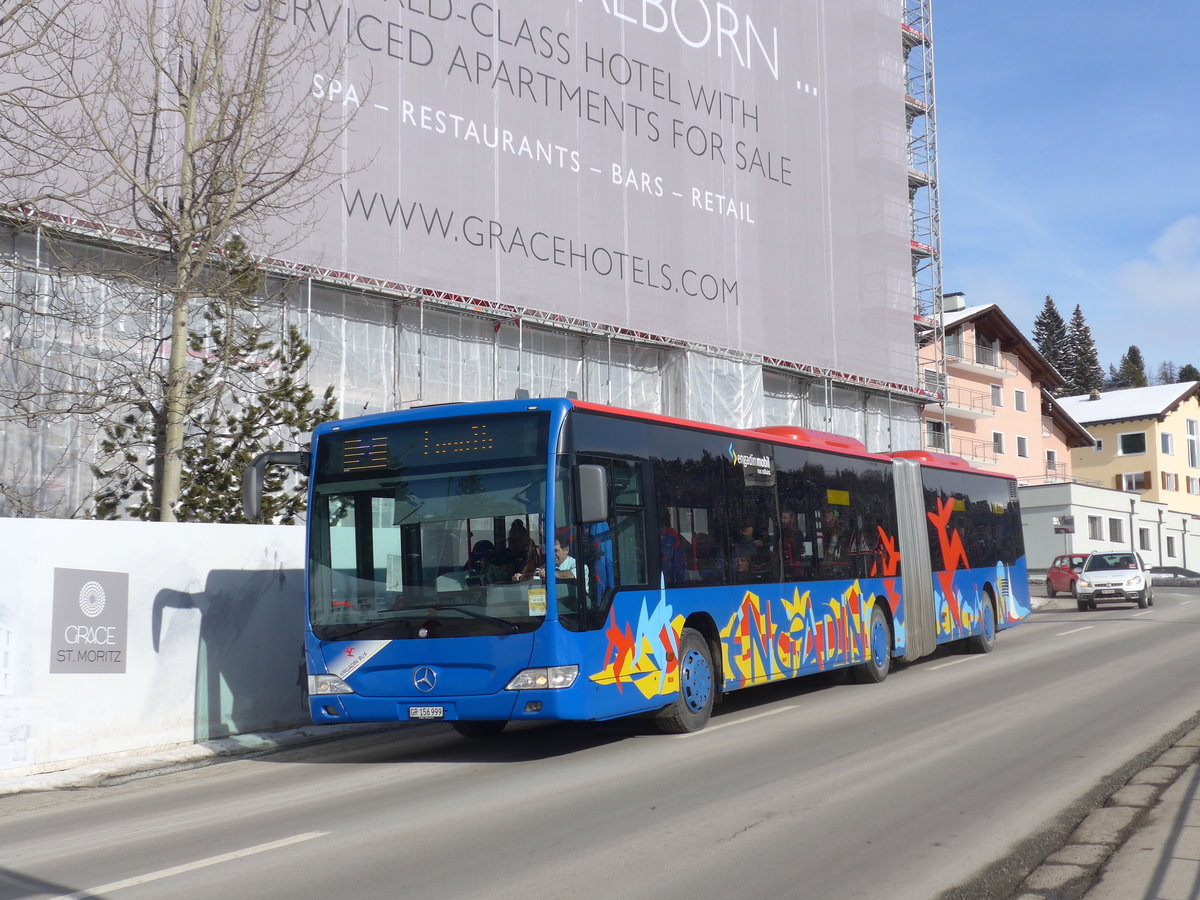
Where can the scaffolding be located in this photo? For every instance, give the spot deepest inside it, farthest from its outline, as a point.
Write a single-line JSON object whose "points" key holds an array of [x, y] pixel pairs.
{"points": [[921, 120]]}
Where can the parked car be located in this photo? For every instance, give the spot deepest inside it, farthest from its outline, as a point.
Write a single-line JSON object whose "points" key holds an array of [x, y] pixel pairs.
{"points": [[1119, 577], [1063, 573]]}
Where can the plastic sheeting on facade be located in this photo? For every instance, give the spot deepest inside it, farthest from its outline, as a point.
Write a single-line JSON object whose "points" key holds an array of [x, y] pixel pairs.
{"points": [[383, 353]]}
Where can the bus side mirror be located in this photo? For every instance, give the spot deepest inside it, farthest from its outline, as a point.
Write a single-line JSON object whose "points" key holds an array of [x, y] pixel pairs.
{"points": [[591, 484], [252, 478]]}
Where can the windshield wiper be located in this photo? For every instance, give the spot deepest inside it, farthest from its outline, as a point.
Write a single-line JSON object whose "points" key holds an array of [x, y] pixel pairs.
{"points": [[342, 635], [478, 615]]}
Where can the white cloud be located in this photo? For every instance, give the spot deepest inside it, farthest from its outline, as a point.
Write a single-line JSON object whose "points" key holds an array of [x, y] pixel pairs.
{"points": [[1153, 300], [1170, 278]]}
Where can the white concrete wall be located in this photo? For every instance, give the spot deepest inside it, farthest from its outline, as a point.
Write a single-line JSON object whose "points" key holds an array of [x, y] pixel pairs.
{"points": [[1041, 503], [213, 640]]}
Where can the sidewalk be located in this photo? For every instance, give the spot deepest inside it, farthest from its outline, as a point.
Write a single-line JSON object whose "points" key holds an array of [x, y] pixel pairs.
{"points": [[1144, 844], [137, 764]]}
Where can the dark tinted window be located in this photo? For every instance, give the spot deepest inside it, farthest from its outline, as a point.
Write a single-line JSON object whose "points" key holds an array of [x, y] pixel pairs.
{"points": [[838, 515], [971, 515]]}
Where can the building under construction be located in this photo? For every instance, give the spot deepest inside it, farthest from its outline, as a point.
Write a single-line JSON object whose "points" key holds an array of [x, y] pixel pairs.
{"points": [[744, 232]]}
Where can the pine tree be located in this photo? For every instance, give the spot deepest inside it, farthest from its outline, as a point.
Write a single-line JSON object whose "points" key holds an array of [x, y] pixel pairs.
{"points": [[1117, 379], [249, 396], [1188, 372], [1051, 336], [1084, 373], [1132, 370], [223, 438]]}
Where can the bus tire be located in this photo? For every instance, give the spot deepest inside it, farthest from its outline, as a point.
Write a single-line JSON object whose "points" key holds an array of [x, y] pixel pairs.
{"points": [[479, 728], [986, 639], [879, 649], [697, 687]]}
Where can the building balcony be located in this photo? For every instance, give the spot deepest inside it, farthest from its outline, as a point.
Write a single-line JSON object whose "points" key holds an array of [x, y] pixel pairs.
{"points": [[975, 451], [966, 403], [980, 358]]}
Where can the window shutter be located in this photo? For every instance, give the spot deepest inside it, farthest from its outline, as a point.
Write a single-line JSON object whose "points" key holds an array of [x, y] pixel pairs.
{"points": [[1148, 479], [1162, 477]]}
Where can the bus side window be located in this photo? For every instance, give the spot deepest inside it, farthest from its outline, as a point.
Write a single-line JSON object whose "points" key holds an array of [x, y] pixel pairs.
{"points": [[629, 529], [688, 495], [614, 552]]}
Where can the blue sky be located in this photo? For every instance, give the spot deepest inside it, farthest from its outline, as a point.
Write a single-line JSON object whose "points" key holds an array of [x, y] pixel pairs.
{"points": [[1069, 164]]}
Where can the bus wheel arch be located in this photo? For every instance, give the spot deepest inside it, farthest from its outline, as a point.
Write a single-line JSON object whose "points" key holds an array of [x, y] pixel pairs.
{"points": [[985, 641]]}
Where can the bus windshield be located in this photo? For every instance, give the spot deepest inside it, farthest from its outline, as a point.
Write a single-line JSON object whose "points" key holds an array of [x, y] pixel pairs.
{"points": [[429, 530]]}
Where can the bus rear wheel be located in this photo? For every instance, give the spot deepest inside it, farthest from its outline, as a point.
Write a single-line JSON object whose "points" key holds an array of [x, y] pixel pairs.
{"points": [[986, 639], [478, 728], [879, 650], [697, 687]]}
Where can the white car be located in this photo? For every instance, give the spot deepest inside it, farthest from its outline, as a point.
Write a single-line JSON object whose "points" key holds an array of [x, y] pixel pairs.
{"points": [[1117, 577]]}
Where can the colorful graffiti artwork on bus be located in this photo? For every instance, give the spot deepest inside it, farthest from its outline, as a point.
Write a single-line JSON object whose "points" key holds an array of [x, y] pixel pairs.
{"points": [[761, 642], [813, 636], [959, 592], [644, 654]]}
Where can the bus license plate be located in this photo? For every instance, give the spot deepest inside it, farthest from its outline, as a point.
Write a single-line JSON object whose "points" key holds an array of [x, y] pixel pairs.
{"points": [[426, 712]]}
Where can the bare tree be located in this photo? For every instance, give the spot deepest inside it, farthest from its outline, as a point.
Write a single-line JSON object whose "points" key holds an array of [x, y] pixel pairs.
{"points": [[186, 126]]}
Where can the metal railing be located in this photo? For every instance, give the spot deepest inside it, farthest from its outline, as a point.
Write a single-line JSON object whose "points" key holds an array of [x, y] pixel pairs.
{"points": [[982, 355]]}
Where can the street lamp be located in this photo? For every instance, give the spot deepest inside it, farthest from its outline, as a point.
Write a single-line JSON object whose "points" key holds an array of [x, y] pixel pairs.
{"points": [[1132, 523], [1160, 530]]}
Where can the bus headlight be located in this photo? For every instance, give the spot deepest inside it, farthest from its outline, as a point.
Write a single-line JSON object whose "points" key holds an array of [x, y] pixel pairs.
{"points": [[552, 678], [327, 684]]}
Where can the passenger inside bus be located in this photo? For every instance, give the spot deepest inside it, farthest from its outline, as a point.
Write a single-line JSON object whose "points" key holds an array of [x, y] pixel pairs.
{"points": [[673, 553], [751, 555], [522, 555], [709, 566], [791, 544]]}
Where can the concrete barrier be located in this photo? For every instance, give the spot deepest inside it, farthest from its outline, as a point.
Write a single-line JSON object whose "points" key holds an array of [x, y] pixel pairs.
{"points": [[123, 637]]}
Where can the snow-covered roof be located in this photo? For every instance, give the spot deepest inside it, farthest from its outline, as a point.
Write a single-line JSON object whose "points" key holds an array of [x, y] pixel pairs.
{"points": [[1130, 403], [950, 319]]}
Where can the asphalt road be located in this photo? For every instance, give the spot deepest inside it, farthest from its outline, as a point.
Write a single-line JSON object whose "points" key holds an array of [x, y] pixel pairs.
{"points": [[955, 775]]}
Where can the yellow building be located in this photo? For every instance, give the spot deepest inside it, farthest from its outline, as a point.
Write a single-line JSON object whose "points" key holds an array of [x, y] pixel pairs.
{"points": [[1147, 441]]}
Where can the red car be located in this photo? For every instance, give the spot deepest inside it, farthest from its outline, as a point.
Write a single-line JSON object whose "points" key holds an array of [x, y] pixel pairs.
{"points": [[1063, 573]]}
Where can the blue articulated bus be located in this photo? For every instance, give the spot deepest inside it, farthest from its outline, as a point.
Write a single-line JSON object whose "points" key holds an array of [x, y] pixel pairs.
{"points": [[526, 560]]}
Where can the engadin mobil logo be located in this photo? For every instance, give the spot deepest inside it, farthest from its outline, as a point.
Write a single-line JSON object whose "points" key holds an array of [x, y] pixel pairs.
{"points": [[761, 464]]}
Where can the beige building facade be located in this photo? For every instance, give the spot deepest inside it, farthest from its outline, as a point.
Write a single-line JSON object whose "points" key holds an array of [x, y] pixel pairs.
{"points": [[1147, 441]]}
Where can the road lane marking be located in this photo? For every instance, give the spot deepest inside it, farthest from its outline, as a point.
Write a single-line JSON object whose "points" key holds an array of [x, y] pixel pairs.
{"points": [[762, 715], [1075, 630], [192, 866], [955, 662], [1185, 602], [1146, 613]]}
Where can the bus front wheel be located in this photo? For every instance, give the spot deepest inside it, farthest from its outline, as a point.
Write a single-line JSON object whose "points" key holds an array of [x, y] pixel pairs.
{"points": [[879, 650], [697, 688]]}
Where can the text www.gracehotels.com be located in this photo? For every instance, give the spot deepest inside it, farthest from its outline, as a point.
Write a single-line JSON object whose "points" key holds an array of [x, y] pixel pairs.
{"points": [[540, 246]]}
